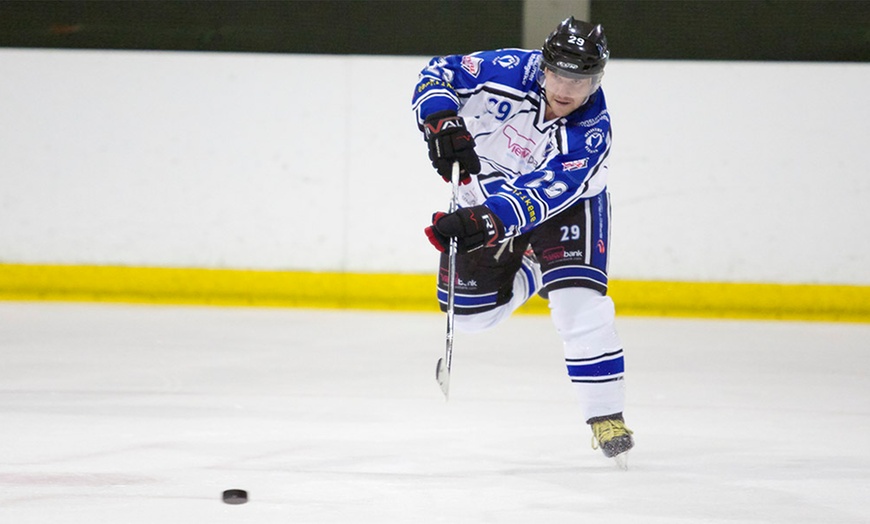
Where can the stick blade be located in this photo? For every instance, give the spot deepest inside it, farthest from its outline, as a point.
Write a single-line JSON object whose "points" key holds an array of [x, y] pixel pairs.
{"points": [[442, 375]]}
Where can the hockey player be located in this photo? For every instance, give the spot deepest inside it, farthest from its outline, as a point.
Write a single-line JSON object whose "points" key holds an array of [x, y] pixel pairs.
{"points": [[531, 133]]}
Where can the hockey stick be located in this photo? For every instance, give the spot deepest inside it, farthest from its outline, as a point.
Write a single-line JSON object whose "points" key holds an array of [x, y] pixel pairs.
{"points": [[442, 370]]}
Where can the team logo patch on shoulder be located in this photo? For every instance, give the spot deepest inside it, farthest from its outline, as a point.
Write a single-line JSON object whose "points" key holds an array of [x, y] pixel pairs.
{"points": [[507, 61], [575, 164], [472, 65], [594, 139]]}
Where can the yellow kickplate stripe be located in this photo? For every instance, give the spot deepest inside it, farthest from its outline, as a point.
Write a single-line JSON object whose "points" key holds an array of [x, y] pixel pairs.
{"points": [[412, 292], [736, 300], [732, 300], [217, 287]]}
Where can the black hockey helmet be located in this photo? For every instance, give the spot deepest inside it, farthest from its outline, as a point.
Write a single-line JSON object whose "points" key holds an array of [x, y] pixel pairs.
{"points": [[576, 49]]}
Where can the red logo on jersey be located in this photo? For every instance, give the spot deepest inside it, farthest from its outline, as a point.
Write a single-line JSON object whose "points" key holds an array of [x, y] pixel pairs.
{"points": [[553, 254], [472, 65], [517, 143], [575, 164]]}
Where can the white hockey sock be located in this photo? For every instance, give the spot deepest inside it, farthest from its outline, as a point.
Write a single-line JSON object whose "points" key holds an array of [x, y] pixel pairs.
{"points": [[585, 320]]}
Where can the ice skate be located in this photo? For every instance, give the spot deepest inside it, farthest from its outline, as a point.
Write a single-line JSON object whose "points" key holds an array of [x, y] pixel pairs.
{"points": [[610, 434]]}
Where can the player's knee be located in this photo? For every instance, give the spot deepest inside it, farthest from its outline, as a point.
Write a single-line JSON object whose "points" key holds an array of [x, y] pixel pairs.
{"points": [[482, 321], [584, 319], [525, 284]]}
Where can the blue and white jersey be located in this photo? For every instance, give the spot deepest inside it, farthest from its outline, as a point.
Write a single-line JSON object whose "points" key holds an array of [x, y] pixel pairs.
{"points": [[531, 168]]}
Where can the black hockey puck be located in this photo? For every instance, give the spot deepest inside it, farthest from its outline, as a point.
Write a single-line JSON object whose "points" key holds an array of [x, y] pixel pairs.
{"points": [[235, 496]]}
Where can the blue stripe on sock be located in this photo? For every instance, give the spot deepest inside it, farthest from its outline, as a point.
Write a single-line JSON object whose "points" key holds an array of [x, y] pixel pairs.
{"points": [[600, 369]]}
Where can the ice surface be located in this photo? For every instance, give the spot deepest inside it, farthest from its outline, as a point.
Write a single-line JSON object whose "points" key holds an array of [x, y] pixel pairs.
{"points": [[144, 414]]}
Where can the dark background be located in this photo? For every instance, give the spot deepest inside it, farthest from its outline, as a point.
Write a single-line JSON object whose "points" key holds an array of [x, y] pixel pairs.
{"points": [[797, 30]]}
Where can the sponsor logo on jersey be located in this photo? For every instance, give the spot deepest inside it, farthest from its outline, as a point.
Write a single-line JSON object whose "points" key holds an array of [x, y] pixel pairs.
{"points": [[531, 70], [526, 201], [472, 65], [575, 164], [601, 247], [517, 143], [602, 206], [464, 284], [560, 253], [594, 121], [507, 61], [594, 139], [432, 83]]}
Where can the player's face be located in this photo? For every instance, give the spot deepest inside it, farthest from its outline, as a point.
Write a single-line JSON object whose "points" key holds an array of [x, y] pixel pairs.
{"points": [[564, 95]]}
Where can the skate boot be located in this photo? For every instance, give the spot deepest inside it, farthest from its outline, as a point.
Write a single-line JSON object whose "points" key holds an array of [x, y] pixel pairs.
{"points": [[610, 434]]}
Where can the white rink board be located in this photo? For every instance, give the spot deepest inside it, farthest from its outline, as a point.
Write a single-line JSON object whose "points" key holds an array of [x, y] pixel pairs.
{"points": [[747, 172]]}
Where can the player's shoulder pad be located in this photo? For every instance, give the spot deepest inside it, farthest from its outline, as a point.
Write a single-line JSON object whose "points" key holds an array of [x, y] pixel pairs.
{"points": [[511, 66]]}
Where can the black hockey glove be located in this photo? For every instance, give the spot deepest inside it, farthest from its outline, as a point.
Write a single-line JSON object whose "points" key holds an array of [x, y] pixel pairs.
{"points": [[450, 141], [473, 227]]}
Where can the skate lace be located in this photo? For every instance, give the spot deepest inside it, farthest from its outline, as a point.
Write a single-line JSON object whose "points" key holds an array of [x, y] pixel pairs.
{"points": [[606, 430]]}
